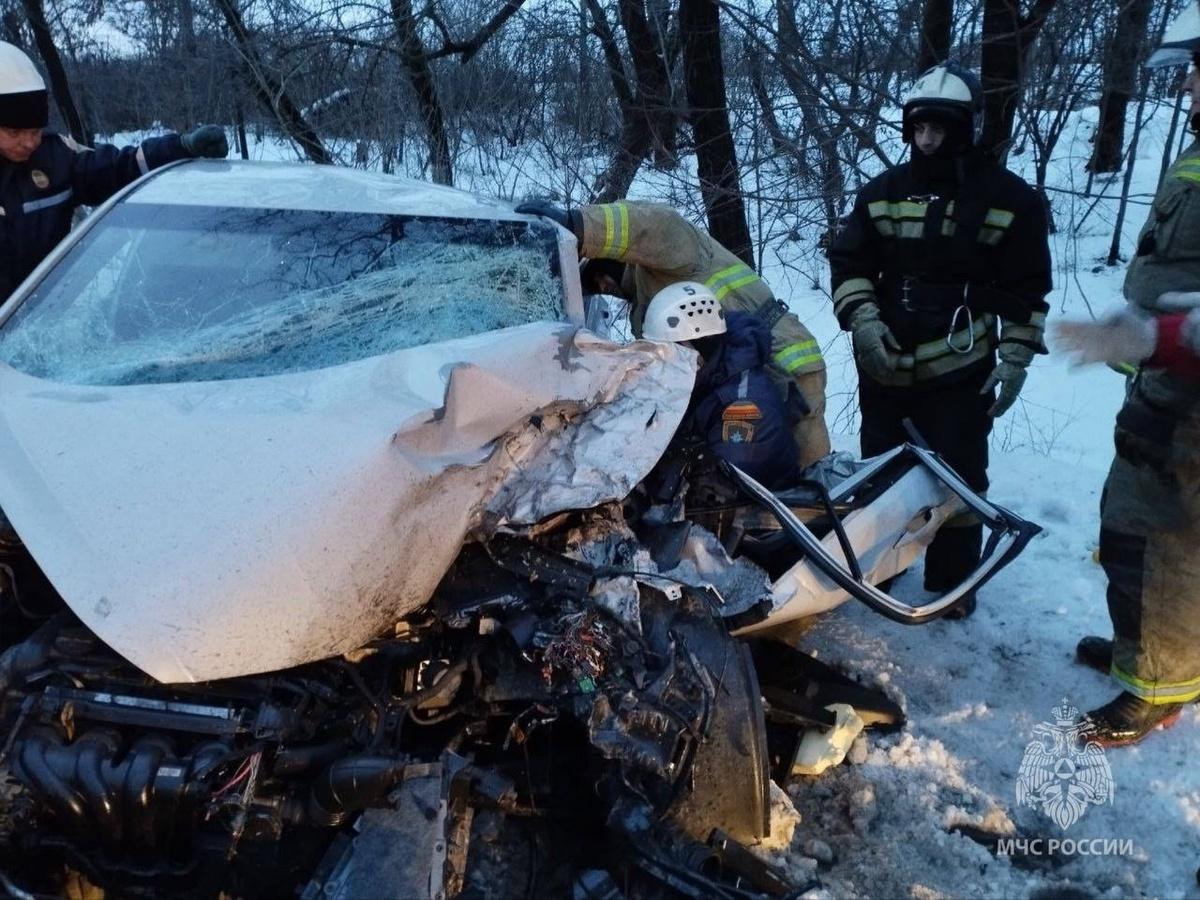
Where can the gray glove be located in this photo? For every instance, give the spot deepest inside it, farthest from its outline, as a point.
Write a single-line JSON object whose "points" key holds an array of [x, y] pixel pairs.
{"points": [[572, 220], [207, 140], [1010, 374], [875, 347]]}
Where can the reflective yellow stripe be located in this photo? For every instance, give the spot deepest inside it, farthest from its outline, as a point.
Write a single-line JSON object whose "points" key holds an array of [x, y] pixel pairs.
{"points": [[1158, 692], [903, 209], [1188, 175], [990, 236], [616, 230], [851, 287], [905, 228], [730, 279], [794, 356], [999, 218]]}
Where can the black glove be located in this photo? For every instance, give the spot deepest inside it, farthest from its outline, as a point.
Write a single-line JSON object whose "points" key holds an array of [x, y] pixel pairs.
{"points": [[207, 140], [572, 221]]}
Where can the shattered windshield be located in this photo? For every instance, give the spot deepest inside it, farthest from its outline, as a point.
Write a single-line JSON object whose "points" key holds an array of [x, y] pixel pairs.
{"points": [[164, 293]]}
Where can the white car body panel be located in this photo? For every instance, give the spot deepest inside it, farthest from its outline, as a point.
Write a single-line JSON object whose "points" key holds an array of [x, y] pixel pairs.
{"points": [[212, 529]]}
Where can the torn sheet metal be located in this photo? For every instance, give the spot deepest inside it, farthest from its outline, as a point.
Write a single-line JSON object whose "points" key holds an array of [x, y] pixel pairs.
{"points": [[887, 536], [211, 529]]}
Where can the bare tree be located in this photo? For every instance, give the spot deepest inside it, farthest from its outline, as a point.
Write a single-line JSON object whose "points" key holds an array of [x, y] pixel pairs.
{"points": [[269, 90], [1125, 47], [1008, 36], [59, 85], [416, 63], [649, 116], [717, 166], [937, 19]]}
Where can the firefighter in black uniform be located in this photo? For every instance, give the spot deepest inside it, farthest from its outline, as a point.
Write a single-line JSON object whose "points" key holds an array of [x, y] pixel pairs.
{"points": [[44, 177], [943, 262]]}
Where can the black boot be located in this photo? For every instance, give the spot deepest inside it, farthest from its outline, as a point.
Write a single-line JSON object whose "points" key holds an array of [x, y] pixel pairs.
{"points": [[1096, 652], [1128, 719]]}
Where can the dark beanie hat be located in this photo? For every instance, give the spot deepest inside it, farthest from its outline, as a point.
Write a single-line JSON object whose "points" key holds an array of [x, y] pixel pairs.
{"points": [[28, 109], [23, 101]]}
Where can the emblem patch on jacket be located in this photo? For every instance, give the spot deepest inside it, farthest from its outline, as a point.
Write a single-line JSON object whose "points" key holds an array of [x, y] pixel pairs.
{"points": [[738, 422], [40, 178]]}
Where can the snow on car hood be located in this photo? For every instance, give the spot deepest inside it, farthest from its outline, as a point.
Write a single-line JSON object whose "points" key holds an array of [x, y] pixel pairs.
{"points": [[212, 529]]}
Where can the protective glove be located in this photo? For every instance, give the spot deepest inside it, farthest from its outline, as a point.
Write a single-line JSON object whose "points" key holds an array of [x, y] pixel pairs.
{"points": [[572, 220], [207, 140], [1126, 336], [1010, 374], [1011, 378], [875, 347]]}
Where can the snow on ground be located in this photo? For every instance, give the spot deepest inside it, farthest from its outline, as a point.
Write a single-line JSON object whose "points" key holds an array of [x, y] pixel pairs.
{"points": [[973, 691], [883, 826]]}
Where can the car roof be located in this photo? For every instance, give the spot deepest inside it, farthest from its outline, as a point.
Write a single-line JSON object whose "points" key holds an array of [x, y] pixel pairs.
{"points": [[284, 185]]}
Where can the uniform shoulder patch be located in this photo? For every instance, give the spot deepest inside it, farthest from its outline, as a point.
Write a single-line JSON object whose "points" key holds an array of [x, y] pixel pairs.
{"points": [[738, 421], [40, 179]]}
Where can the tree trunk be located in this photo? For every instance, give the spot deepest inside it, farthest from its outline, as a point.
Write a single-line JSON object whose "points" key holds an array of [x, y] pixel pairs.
{"points": [[652, 72], [1120, 68], [635, 140], [716, 159], [1007, 38], [239, 119], [59, 86], [937, 17], [832, 177], [412, 53], [269, 91]]}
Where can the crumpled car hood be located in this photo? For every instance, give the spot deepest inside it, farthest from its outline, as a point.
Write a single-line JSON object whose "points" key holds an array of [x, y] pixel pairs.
{"points": [[211, 529]]}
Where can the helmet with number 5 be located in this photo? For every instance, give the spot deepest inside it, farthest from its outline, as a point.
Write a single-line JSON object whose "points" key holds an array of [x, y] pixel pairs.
{"points": [[684, 311]]}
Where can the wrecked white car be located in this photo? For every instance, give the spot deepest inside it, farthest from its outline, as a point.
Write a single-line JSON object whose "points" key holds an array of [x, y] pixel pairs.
{"points": [[339, 559]]}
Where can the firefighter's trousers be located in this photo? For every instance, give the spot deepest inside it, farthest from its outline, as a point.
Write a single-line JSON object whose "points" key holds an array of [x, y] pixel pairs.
{"points": [[1150, 540]]}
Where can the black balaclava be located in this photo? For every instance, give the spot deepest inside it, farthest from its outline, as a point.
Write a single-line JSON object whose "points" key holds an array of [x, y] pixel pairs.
{"points": [[943, 166]]}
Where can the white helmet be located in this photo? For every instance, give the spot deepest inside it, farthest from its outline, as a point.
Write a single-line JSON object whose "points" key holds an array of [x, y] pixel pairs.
{"points": [[947, 92], [1181, 40], [23, 101], [683, 311]]}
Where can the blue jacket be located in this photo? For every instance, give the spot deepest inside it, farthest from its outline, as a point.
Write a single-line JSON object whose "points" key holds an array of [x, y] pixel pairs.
{"points": [[39, 197], [738, 410]]}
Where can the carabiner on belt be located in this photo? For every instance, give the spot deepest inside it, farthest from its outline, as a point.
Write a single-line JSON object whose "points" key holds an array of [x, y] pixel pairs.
{"points": [[963, 308]]}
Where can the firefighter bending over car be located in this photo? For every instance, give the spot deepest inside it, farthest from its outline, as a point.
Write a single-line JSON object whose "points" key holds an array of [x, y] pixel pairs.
{"points": [[1150, 506], [936, 255], [44, 178], [635, 249]]}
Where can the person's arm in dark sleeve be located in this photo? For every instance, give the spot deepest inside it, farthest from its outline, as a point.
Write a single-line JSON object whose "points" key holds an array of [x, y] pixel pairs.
{"points": [[854, 262], [1025, 280], [99, 172]]}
